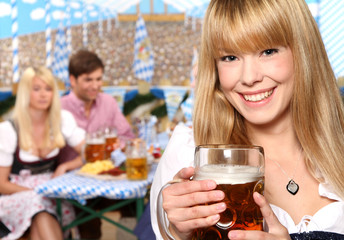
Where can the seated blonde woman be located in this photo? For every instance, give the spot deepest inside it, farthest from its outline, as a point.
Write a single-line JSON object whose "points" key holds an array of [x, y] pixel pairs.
{"points": [[29, 149]]}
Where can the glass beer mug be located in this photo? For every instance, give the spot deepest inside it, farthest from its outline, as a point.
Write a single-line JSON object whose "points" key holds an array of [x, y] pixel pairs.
{"points": [[111, 141], [136, 163], [238, 171], [95, 147]]}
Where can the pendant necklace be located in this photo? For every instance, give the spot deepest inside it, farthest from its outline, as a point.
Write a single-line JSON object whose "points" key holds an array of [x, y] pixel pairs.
{"points": [[292, 186]]}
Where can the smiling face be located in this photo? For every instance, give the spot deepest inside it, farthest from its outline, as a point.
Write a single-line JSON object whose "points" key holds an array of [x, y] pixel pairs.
{"points": [[259, 85], [41, 95], [87, 86]]}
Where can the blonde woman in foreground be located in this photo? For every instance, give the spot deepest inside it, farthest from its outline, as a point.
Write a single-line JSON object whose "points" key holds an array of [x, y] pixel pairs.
{"points": [[264, 78], [29, 150]]}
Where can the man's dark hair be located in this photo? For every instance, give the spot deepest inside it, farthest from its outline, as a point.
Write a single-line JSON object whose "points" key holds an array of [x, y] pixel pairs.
{"points": [[84, 62]]}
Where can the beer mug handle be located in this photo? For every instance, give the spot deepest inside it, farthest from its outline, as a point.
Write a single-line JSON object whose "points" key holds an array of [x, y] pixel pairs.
{"points": [[161, 214]]}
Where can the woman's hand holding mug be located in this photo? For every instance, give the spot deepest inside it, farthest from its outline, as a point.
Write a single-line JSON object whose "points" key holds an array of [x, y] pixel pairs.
{"points": [[220, 196], [185, 205]]}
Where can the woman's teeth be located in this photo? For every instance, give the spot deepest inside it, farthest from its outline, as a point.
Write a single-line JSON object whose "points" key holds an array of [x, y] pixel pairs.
{"points": [[257, 97]]}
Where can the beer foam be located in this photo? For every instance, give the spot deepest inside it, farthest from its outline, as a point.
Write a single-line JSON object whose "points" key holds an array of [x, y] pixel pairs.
{"points": [[229, 174], [111, 135], [95, 141]]}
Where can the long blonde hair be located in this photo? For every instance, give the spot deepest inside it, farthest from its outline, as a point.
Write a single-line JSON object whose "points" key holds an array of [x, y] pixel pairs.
{"points": [[53, 136], [316, 105]]}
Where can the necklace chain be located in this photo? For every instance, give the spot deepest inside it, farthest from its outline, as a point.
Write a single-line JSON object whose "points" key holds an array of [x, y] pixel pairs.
{"points": [[284, 172], [292, 186]]}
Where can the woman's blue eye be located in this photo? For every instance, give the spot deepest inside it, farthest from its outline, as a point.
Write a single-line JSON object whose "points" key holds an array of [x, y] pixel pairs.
{"points": [[228, 58], [270, 51]]}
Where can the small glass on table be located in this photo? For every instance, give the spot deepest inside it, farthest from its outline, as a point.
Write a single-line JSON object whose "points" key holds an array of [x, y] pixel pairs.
{"points": [[136, 163]]}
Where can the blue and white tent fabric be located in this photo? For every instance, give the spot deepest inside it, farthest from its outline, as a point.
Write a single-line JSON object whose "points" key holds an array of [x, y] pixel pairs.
{"points": [[47, 34], [173, 98], [331, 24], [198, 11], [146, 130], [187, 107], [143, 53], [193, 70], [118, 93], [60, 61], [314, 7], [15, 41]]}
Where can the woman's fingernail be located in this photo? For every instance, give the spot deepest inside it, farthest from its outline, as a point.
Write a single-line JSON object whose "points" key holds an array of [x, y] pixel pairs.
{"points": [[221, 206], [219, 195], [233, 235], [215, 218], [211, 184], [258, 195]]}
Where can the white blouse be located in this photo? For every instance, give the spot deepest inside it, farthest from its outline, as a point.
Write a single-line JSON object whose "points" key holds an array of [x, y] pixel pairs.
{"points": [[8, 140], [180, 153]]}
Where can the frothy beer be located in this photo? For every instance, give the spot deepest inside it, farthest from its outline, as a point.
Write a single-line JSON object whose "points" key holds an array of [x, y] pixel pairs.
{"points": [[136, 163], [110, 143], [238, 183], [137, 168], [95, 149]]}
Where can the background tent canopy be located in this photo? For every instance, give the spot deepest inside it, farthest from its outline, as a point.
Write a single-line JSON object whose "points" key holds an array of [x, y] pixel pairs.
{"points": [[31, 15]]}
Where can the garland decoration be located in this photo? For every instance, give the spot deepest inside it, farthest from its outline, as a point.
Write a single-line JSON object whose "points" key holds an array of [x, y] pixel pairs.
{"points": [[139, 99]]}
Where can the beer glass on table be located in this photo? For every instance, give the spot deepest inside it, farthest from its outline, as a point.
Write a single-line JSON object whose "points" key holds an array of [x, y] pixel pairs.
{"points": [[111, 141], [95, 146], [238, 171], [136, 163]]}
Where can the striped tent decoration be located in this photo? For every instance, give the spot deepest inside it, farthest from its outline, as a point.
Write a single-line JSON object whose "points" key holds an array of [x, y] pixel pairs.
{"points": [[69, 29], [100, 24], [108, 21], [84, 25], [193, 69], [60, 62], [173, 98], [116, 20], [15, 41], [48, 44], [193, 23], [314, 7], [331, 19], [143, 53], [186, 21], [118, 93], [199, 9], [187, 107]]}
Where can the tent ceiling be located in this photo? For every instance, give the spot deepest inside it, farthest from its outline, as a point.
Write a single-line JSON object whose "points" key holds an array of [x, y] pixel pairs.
{"points": [[120, 6], [117, 6]]}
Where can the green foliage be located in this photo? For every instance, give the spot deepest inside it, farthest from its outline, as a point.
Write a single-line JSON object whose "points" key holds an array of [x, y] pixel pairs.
{"points": [[160, 111], [139, 99], [186, 95], [7, 104]]}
